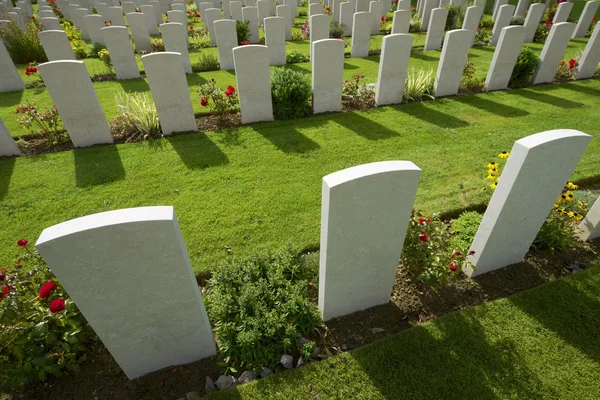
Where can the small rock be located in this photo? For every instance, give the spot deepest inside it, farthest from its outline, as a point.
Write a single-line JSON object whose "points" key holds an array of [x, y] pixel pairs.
{"points": [[323, 356], [192, 396], [210, 385], [247, 376], [287, 361], [300, 362], [316, 352], [344, 347], [266, 372], [377, 330], [573, 268], [302, 341], [225, 382]]}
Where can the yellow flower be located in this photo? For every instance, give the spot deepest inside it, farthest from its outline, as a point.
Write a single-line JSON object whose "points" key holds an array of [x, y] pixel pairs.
{"points": [[493, 185], [562, 198], [504, 154], [555, 206], [560, 211], [484, 190], [493, 171], [582, 205], [571, 186], [493, 165], [570, 196], [491, 178], [575, 215]]}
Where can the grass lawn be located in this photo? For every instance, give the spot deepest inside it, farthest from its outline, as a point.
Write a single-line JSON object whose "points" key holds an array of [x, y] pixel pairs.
{"points": [[260, 186], [539, 344]]}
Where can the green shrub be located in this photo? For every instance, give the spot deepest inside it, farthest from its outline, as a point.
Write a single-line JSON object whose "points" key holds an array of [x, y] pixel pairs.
{"points": [[295, 56], [542, 32], [523, 69], [138, 114], [517, 21], [482, 36], [24, 46], [357, 95], [557, 234], [486, 21], [415, 24], [42, 333], [220, 103], [453, 15], [302, 14], [200, 41], [45, 122], [243, 31], [157, 45], [464, 229], [207, 62], [291, 92], [259, 305], [418, 85], [336, 30], [95, 49], [469, 82]]}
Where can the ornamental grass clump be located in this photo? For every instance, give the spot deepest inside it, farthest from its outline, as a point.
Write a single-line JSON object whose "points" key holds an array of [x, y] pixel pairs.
{"points": [[42, 333], [23, 45], [258, 307], [137, 117], [418, 85], [221, 103]]}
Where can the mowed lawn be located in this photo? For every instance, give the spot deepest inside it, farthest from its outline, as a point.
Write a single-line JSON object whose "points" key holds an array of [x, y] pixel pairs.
{"points": [[539, 344], [260, 186]]}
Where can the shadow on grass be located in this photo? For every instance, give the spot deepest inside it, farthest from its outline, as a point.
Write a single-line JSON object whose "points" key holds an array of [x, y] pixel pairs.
{"points": [[6, 168], [484, 103], [420, 56], [98, 166], [13, 98], [197, 151], [431, 115], [363, 126], [286, 137], [542, 97], [134, 85], [581, 88], [300, 67]]}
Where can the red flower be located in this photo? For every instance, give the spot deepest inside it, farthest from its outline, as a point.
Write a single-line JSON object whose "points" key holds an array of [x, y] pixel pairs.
{"points": [[22, 242], [548, 23], [471, 252], [46, 289], [382, 19], [57, 305], [457, 253], [423, 237], [452, 267], [593, 19], [4, 291], [245, 43], [197, 15], [230, 91], [203, 102], [422, 221], [2, 277], [572, 63]]}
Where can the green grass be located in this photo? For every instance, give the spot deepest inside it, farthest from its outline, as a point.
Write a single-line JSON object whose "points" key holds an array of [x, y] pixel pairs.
{"points": [[260, 186], [539, 344]]}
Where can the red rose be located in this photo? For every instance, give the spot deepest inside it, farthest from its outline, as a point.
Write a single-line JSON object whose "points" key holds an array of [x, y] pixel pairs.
{"points": [[5, 291], [46, 289], [572, 63], [471, 252], [422, 221], [228, 93], [22, 242], [423, 237], [34, 70], [57, 305], [245, 43], [548, 23], [382, 19], [452, 267], [203, 102], [2, 277], [457, 253], [230, 89]]}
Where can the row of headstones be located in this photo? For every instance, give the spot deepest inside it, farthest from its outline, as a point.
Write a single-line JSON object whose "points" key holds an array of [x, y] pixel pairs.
{"points": [[364, 219], [86, 124]]}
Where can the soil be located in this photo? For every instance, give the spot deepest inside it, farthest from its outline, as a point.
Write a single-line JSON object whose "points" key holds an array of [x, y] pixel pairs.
{"points": [[411, 303]]}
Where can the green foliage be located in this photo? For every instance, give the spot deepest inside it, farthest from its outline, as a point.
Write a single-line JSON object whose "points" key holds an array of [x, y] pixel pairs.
{"points": [[138, 113], [541, 33], [523, 69], [157, 45], [207, 62], [242, 30], [302, 13], [336, 30], [415, 24], [45, 122], [486, 21], [95, 49], [482, 36], [104, 56], [259, 305], [200, 42], [557, 234], [418, 85], [290, 92], [464, 229], [220, 103], [35, 342], [24, 46], [357, 95], [428, 253], [453, 16], [469, 82], [517, 21], [295, 56]]}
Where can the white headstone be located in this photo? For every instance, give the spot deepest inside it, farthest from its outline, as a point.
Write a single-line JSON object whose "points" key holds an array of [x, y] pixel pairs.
{"points": [[180, 17], [236, 10], [139, 31], [250, 14], [156, 7], [534, 16], [94, 24], [532, 179], [179, 7], [78, 15], [118, 45], [452, 62], [128, 7], [263, 11], [319, 27], [164, 6], [249, 3], [167, 81], [79, 109], [401, 21], [362, 5], [152, 21], [346, 17], [272, 7], [327, 74], [375, 11], [588, 63], [589, 227], [553, 51], [275, 40], [226, 40], [435, 30], [335, 14], [428, 6], [157, 318], [503, 18], [479, 3], [102, 9], [285, 12], [51, 24], [521, 9], [505, 56], [472, 18], [497, 5], [210, 16], [563, 12], [393, 67], [361, 37], [10, 80], [364, 217], [315, 9], [8, 147], [46, 14], [253, 79], [115, 16], [403, 5], [585, 20], [175, 38], [56, 45]]}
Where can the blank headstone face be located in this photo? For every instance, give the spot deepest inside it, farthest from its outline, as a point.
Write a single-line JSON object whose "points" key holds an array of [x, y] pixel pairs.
{"points": [[285, 12], [210, 16], [534, 16], [504, 16], [479, 3], [77, 16], [294, 6], [327, 75], [139, 31], [56, 45], [51, 24], [235, 7], [532, 179], [319, 27], [364, 217], [226, 41], [115, 15], [553, 51], [588, 63], [403, 5], [315, 9], [590, 226], [10, 80], [472, 18], [583, 24], [452, 62], [226, 9], [497, 5], [362, 5], [254, 83], [428, 6], [435, 30], [179, 7], [168, 84], [175, 38], [71, 90], [275, 40], [393, 67], [563, 12], [250, 3], [346, 17], [151, 20], [250, 14], [164, 6], [128, 7], [178, 16], [8, 147], [263, 10], [361, 37], [272, 7], [102, 9], [139, 294], [375, 11], [521, 9], [121, 54], [46, 14], [505, 56], [401, 21], [156, 8], [336, 10]]}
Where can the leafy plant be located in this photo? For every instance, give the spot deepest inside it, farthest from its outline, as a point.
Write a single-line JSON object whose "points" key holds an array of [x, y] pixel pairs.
{"points": [[200, 40], [482, 36], [524, 68], [243, 31], [138, 115], [469, 82], [207, 62], [415, 24], [357, 95], [453, 16], [418, 85], [104, 56], [45, 122], [566, 71], [42, 333], [464, 229], [517, 21], [23, 45], [295, 56], [290, 92], [542, 32], [258, 305], [550, 12], [486, 21], [302, 13], [95, 49], [220, 103], [336, 30]]}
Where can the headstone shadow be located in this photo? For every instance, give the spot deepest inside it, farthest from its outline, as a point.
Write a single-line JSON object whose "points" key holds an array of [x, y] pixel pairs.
{"points": [[6, 168], [431, 115], [97, 166], [198, 151], [540, 96], [363, 126], [483, 102], [286, 137]]}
